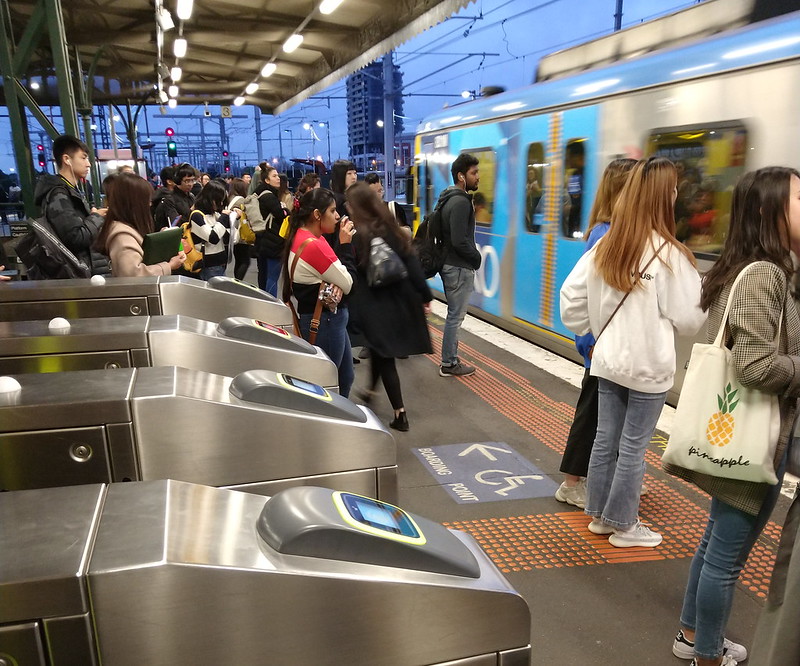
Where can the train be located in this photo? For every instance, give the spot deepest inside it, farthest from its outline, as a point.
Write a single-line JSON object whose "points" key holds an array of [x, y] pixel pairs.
{"points": [[717, 106]]}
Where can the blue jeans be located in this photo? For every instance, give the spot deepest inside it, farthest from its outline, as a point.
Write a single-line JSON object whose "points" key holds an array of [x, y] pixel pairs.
{"points": [[626, 420], [458, 285], [717, 563], [269, 272], [211, 271], [332, 338]]}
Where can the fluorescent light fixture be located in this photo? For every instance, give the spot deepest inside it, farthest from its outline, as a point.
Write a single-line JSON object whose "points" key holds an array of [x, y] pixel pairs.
{"points": [[292, 43], [162, 96], [329, 6], [466, 94], [164, 19], [696, 68], [172, 103], [251, 88], [179, 47], [772, 45], [35, 85], [597, 86], [268, 69], [173, 90], [175, 74], [184, 9], [238, 101], [306, 126]]}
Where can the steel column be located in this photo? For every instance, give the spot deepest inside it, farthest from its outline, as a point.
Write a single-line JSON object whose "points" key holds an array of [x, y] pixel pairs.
{"points": [[58, 46]]}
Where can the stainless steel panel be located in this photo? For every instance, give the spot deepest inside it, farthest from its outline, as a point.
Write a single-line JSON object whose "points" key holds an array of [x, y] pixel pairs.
{"points": [[45, 536], [478, 660], [51, 458], [359, 481], [388, 487], [518, 657], [70, 640], [71, 290], [154, 305], [67, 400], [206, 591], [73, 309], [18, 365], [25, 338], [241, 442], [195, 298], [196, 344], [21, 645], [122, 452]]}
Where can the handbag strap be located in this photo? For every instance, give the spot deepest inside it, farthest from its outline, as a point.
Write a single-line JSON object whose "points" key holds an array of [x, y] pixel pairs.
{"points": [[315, 318], [628, 293], [718, 340]]}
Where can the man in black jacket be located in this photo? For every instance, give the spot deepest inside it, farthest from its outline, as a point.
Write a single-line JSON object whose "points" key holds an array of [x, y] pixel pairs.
{"points": [[461, 260], [65, 206], [176, 206]]}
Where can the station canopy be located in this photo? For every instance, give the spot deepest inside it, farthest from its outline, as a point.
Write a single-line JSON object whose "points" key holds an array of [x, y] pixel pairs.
{"points": [[229, 42]]}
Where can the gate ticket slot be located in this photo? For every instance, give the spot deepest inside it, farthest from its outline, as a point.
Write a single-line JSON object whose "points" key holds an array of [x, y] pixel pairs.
{"points": [[285, 391], [334, 525], [263, 333]]}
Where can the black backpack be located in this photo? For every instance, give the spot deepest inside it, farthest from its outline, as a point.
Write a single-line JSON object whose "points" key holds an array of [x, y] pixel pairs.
{"points": [[429, 241], [46, 257]]}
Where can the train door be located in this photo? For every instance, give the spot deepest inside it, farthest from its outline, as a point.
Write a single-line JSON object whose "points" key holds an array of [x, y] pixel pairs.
{"points": [[557, 181]]}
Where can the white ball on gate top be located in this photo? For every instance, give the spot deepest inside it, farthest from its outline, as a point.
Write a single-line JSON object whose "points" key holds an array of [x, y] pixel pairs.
{"points": [[58, 324], [97, 280], [9, 385]]}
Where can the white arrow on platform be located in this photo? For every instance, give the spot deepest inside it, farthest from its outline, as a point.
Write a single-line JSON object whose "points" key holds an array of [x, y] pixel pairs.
{"points": [[485, 450]]}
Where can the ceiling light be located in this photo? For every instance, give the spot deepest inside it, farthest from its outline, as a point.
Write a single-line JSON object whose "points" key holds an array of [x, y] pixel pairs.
{"points": [[329, 6], [292, 43], [173, 91], [251, 88], [184, 9], [172, 103], [163, 70], [268, 69], [162, 97], [306, 126], [164, 19], [238, 101], [179, 47], [175, 74], [35, 85]]}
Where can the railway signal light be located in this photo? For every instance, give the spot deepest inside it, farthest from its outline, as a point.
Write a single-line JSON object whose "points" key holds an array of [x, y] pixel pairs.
{"points": [[169, 131], [41, 157], [172, 148]]}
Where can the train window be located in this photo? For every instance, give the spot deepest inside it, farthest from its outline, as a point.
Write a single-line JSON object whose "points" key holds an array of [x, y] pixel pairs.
{"points": [[534, 202], [709, 161], [483, 199], [572, 197]]}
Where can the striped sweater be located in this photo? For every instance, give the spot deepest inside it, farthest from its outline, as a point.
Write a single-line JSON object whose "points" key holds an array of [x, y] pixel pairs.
{"points": [[318, 262]]}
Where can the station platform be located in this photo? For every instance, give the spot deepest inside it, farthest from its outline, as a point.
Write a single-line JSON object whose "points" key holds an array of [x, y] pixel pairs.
{"points": [[482, 455]]}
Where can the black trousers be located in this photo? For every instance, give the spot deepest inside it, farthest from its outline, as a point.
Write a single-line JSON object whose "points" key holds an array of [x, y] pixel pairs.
{"points": [[241, 256], [385, 369], [584, 428]]}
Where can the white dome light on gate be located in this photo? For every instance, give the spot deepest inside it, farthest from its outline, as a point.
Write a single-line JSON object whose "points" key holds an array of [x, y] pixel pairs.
{"points": [[238, 101], [184, 9], [172, 103], [175, 74], [329, 6], [179, 47], [268, 69], [251, 88], [292, 43], [173, 91]]}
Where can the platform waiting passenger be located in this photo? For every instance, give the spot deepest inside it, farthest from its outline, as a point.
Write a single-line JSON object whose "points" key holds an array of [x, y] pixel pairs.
{"points": [[635, 289], [462, 258], [765, 344], [575, 461]]}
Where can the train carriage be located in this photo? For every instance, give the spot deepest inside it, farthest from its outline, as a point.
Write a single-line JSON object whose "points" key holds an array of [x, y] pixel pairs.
{"points": [[716, 107]]}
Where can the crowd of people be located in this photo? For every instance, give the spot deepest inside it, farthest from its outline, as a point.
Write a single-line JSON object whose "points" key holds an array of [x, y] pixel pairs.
{"points": [[635, 288]]}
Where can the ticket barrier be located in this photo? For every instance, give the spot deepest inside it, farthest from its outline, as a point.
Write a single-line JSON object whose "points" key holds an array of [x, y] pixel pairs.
{"points": [[214, 300], [235, 345], [259, 432], [167, 572]]}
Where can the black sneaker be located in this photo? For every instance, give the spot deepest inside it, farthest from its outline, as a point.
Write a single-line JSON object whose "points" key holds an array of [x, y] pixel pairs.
{"points": [[458, 370]]}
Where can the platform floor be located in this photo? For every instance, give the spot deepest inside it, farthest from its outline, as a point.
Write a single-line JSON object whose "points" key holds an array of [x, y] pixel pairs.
{"points": [[590, 602]]}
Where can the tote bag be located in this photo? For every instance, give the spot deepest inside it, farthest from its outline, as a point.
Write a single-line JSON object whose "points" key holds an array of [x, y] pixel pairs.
{"points": [[722, 428]]}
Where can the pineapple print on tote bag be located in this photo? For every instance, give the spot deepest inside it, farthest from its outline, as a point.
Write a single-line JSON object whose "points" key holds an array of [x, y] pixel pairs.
{"points": [[722, 428]]}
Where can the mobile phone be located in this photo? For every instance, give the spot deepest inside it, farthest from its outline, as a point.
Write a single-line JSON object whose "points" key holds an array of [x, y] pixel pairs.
{"points": [[9, 272]]}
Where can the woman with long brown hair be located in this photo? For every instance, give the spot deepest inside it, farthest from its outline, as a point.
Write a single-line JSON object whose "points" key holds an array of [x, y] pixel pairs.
{"points": [[575, 461], [392, 317], [128, 221], [634, 290]]}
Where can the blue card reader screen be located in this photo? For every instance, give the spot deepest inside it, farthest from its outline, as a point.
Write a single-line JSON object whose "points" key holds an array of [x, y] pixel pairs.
{"points": [[379, 515], [305, 386]]}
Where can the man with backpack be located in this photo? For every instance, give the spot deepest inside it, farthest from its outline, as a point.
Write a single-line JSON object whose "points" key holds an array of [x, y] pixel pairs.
{"points": [[176, 206], [64, 206], [461, 258]]}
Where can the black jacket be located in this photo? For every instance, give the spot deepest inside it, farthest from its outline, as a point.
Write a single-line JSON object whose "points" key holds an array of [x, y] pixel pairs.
{"points": [[269, 243], [68, 212], [173, 204], [458, 229]]}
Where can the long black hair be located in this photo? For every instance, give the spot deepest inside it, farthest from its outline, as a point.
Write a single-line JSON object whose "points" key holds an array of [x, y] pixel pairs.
{"points": [[758, 230], [373, 219], [212, 198], [317, 199]]}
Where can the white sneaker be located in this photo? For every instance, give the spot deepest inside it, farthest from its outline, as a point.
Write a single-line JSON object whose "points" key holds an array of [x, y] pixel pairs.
{"points": [[574, 495], [597, 526], [639, 535], [683, 648], [727, 660]]}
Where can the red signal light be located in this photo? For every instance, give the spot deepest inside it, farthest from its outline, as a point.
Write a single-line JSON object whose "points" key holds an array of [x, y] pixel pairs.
{"points": [[169, 131]]}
